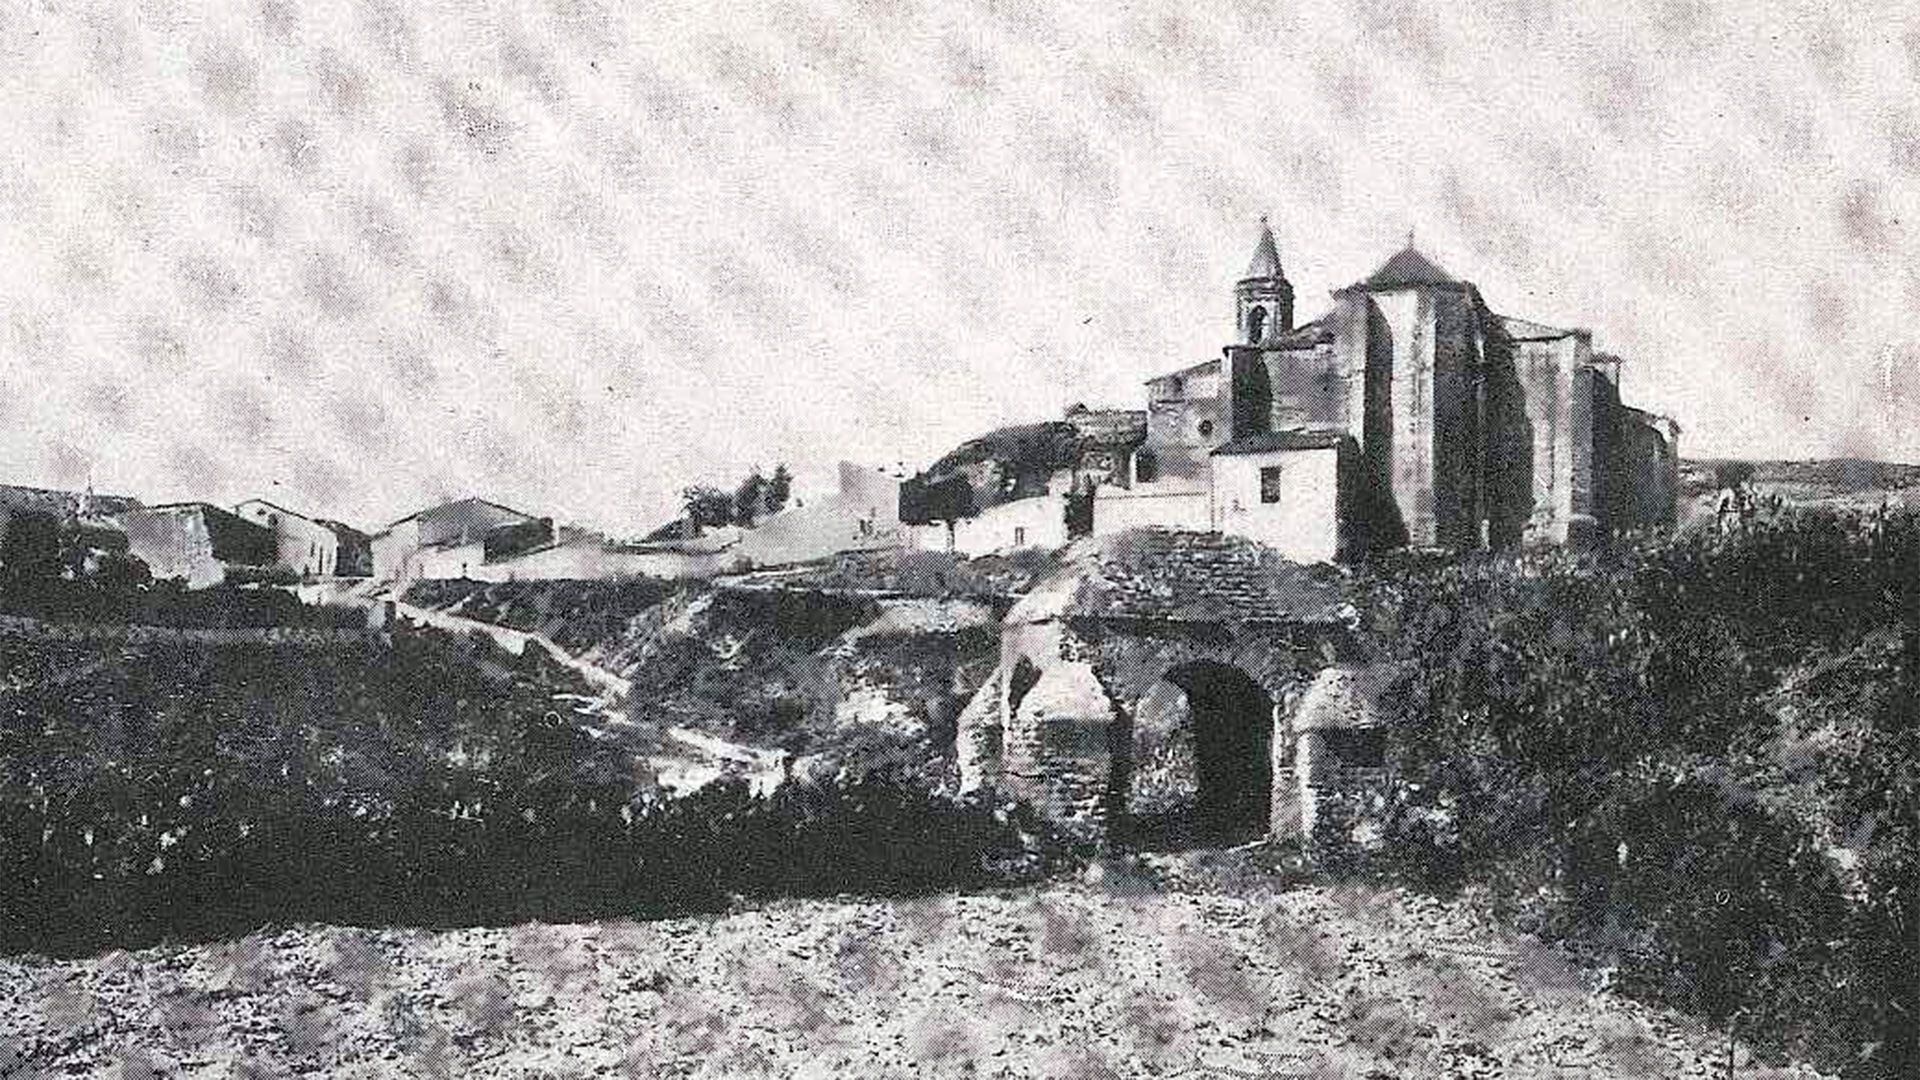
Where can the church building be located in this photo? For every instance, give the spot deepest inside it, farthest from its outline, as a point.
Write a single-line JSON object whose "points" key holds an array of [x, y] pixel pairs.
{"points": [[1411, 414]]}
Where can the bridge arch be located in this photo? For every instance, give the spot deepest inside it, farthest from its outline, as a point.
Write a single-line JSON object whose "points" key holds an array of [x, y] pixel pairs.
{"points": [[1202, 755]]}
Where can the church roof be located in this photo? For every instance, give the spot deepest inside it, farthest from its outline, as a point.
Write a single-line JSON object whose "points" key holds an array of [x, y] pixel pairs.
{"points": [[1266, 255], [1268, 441], [1408, 267]]}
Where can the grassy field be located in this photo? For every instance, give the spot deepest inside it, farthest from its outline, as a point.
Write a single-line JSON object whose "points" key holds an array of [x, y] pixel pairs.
{"points": [[1182, 967]]}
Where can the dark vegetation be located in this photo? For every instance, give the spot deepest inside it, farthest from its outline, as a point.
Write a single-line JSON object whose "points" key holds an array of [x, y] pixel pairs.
{"points": [[766, 665], [170, 604], [1009, 462], [1016, 450], [704, 506], [65, 572], [577, 615], [1695, 760], [186, 793]]}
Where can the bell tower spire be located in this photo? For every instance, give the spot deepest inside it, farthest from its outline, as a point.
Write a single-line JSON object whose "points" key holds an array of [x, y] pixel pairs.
{"points": [[1263, 299]]}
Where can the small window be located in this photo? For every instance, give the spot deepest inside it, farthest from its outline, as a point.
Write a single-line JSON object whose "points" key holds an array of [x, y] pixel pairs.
{"points": [[1146, 467], [1019, 536], [1256, 325], [1206, 429], [1270, 484]]}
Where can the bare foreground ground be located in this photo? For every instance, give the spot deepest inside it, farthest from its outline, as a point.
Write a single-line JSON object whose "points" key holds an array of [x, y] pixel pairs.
{"points": [[1203, 974]]}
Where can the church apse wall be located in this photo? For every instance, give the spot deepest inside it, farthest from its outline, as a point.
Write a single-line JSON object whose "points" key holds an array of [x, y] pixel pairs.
{"points": [[1559, 412], [1456, 418]]}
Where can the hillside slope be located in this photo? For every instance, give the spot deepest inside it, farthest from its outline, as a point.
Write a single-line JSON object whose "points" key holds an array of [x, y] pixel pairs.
{"points": [[1137, 975]]}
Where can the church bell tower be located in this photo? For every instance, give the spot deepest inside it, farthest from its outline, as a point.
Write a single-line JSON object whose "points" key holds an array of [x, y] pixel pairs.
{"points": [[1263, 299]]}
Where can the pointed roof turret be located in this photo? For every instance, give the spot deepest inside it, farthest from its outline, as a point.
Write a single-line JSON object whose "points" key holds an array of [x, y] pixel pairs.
{"points": [[1266, 255], [1408, 267]]}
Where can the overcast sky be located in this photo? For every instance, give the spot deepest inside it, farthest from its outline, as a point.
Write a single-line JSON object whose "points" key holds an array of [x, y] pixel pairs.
{"points": [[356, 254]]}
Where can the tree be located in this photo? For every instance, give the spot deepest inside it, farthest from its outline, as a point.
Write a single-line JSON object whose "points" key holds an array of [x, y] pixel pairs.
{"points": [[749, 498], [779, 489], [31, 551], [706, 506]]}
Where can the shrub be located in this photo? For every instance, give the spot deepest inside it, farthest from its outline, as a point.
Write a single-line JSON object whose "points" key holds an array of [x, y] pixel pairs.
{"points": [[189, 792], [1592, 741]]}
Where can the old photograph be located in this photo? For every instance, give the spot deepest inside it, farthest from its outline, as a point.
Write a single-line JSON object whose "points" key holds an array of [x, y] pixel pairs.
{"points": [[959, 538]]}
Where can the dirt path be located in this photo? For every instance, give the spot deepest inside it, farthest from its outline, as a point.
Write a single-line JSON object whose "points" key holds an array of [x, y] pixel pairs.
{"points": [[701, 757], [1115, 979], [516, 642]]}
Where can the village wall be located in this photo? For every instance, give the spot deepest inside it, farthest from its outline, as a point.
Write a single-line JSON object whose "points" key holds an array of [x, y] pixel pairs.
{"points": [[1116, 509], [1040, 521]]}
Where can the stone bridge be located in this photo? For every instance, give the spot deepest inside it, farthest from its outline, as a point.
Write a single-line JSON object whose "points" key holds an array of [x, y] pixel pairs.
{"points": [[1179, 687]]}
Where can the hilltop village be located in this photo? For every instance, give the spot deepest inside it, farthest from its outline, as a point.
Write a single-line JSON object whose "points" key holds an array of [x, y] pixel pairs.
{"points": [[1408, 414]]}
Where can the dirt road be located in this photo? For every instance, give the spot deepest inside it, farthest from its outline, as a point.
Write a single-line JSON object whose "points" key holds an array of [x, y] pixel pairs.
{"points": [[1105, 979]]}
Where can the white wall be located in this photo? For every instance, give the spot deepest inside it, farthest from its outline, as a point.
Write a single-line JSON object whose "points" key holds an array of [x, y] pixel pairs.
{"points": [[464, 560], [824, 528], [1305, 524], [589, 561], [1115, 509], [301, 544], [1040, 521], [174, 543], [392, 548]]}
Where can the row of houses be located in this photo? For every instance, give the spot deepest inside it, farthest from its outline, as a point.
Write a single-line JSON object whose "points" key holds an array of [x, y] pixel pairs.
{"points": [[196, 542], [203, 545]]}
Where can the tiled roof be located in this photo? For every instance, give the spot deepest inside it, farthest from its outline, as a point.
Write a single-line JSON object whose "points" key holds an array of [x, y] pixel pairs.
{"points": [[341, 529], [274, 506], [465, 513], [1269, 441], [15, 496], [1408, 267], [1173, 576]]}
